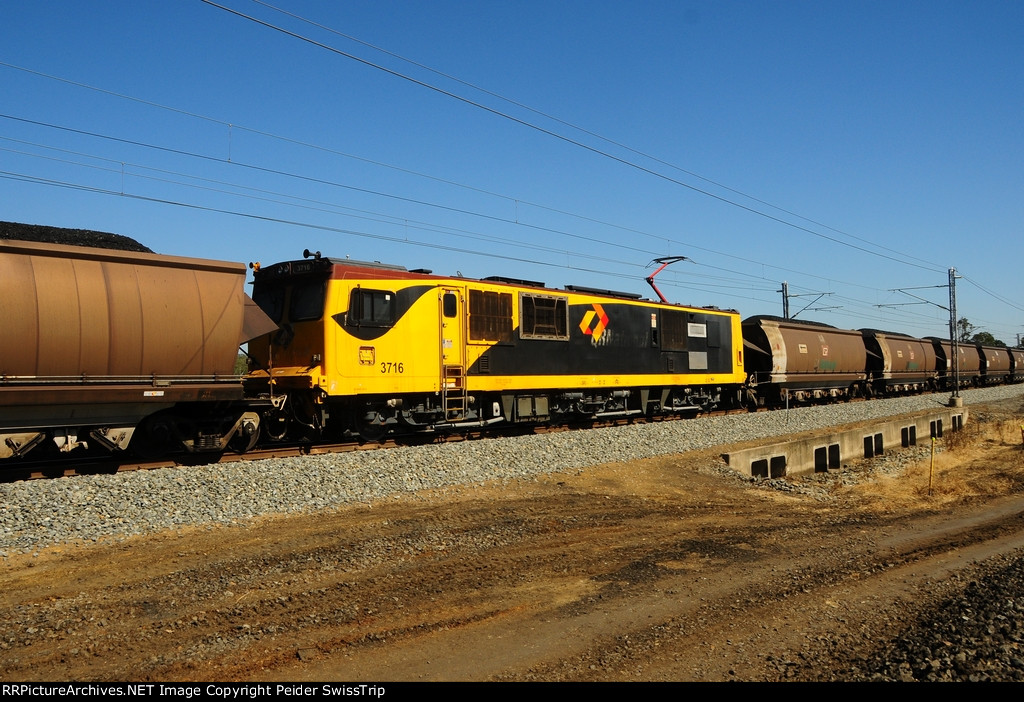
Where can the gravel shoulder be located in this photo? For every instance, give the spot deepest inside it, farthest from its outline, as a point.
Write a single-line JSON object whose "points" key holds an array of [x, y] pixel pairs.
{"points": [[622, 554]]}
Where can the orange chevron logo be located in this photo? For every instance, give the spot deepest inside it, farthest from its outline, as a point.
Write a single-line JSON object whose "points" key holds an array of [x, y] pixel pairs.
{"points": [[602, 322]]}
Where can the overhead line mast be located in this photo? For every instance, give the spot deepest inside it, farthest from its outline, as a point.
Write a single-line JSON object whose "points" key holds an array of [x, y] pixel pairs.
{"points": [[785, 301], [955, 400], [954, 340]]}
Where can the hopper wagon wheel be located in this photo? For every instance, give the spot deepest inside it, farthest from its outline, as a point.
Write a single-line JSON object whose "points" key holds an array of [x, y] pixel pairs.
{"points": [[155, 437]]}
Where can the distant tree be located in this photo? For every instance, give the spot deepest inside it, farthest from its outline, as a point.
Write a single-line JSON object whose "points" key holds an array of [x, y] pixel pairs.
{"points": [[986, 339], [964, 329]]}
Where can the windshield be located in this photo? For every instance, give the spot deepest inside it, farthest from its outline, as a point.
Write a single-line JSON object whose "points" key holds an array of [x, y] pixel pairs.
{"points": [[303, 300]]}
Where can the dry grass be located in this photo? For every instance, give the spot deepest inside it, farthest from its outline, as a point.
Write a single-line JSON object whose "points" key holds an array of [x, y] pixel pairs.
{"points": [[983, 459]]}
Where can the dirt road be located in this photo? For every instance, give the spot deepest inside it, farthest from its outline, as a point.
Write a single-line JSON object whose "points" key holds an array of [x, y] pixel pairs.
{"points": [[666, 569]]}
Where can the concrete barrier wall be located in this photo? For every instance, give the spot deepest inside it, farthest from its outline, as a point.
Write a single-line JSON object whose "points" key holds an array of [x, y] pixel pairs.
{"points": [[824, 451]]}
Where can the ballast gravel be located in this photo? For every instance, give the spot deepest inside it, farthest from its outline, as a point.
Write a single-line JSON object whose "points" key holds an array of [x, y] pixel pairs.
{"points": [[974, 635], [42, 513]]}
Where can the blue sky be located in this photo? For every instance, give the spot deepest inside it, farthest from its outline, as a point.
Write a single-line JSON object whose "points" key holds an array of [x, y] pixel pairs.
{"points": [[845, 147]]}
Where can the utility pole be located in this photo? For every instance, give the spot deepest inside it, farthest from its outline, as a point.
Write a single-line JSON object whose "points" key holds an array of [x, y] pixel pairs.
{"points": [[952, 363], [786, 296], [955, 400]]}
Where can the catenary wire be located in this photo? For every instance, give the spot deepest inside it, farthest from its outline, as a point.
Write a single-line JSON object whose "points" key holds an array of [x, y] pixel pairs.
{"points": [[562, 137], [578, 128], [518, 201]]}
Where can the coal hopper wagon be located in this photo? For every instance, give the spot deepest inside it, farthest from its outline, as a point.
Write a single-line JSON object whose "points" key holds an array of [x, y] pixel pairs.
{"points": [[108, 349]]}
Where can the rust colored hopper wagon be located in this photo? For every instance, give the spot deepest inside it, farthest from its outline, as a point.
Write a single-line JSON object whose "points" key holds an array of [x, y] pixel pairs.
{"points": [[106, 348], [996, 364], [969, 366], [898, 363], [1017, 365], [802, 361]]}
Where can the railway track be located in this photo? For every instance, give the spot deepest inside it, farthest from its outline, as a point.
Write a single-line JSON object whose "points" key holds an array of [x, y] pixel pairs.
{"points": [[69, 465]]}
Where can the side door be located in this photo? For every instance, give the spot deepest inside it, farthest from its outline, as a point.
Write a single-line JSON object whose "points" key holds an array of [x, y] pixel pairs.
{"points": [[451, 301]]}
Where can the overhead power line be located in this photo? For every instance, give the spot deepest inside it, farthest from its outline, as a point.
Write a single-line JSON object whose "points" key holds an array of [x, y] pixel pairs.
{"points": [[985, 290], [21, 177], [583, 130], [693, 281], [516, 222], [698, 281], [314, 146], [518, 201], [566, 139]]}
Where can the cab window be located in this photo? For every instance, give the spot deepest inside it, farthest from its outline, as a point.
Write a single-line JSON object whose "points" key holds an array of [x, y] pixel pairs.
{"points": [[371, 308], [307, 301], [270, 299], [450, 304]]}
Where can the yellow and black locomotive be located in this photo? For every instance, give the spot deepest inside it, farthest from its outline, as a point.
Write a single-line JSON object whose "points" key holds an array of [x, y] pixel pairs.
{"points": [[369, 348]]}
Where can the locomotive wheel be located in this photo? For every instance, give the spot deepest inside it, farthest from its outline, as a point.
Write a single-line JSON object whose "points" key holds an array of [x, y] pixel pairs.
{"points": [[276, 422], [372, 433]]}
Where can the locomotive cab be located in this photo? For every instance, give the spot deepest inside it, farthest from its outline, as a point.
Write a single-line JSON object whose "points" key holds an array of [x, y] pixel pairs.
{"points": [[357, 351], [285, 365]]}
